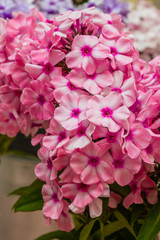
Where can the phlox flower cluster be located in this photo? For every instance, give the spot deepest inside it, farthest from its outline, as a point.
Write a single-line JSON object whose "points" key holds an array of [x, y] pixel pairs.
{"points": [[144, 23], [79, 78]]}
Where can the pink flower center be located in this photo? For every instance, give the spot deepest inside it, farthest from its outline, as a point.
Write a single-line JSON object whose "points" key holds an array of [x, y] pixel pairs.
{"points": [[111, 137], [116, 90], [93, 76], [130, 136], [61, 136], [86, 51], [75, 112], [81, 131], [64, 214], [41, 99], [82, 187], [136, 107], [70, 86], [55, 198], [113, 51], [145, 123], [106, 112], [134, 187], [49, 164], [93, 161], [149, 149], [11, 116], [118, 163], [48, 68]]}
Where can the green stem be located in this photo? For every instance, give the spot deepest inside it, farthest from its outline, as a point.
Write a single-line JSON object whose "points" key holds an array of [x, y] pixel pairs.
{"points": [[102, 230]]}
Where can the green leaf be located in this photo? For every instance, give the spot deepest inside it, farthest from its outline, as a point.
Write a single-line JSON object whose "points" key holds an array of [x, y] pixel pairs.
{"points": [[125, 223], [108, 229], [58, 235], [30, 197], [87, 229], [151, 225], [137, 210], [112, 228], [23, 191], [30, 202], [79, 221]]}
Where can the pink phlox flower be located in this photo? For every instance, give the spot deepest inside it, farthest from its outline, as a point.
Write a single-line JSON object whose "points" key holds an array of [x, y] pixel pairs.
{"points": [[53, 203], [85, 51], [45, 170], [123, 165], [62, 160], [56, 137], [93, 83], [82, 136], [82, 194], [151, 154], [92, 164], [121, 50], [65, 222], [63, 86], [10, 95], [37, 139], [149, 117], [20, 77], [8, 120], [72, 111], [104, 136], [149, 190], [114, 27], [95, 208], [125, 87], [46, 44], [138, 138], [23, 24], [108, 111], [37, 99], [114, 200], [141, 102], [46, 70], [30, 127], [135, 195]]}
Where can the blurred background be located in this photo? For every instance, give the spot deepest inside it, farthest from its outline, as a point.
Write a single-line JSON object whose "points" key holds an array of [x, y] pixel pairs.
{"points": [[17, 170]]}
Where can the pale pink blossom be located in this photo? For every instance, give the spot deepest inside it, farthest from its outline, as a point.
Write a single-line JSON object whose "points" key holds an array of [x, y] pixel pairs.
{"points": [[53, 204], [85, 51], [72, 111], [138, 138], [8, 120], [123, 165], [56, 137], [92, 163], [125, 87], [65, 222], [120, 50], [45, 170], [108, 111], [81, 136], [93, 83], [38, 101], [63, 86], [114, 200], [77, 192]]}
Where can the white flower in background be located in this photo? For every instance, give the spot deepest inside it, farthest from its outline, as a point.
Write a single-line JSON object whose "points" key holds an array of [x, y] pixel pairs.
{"points": [[144, 23]]}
